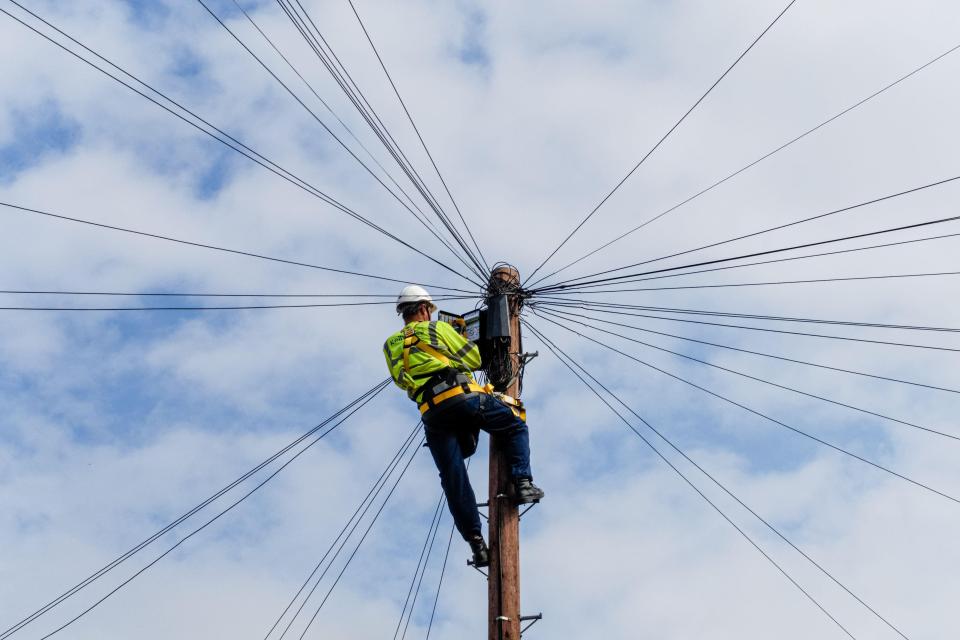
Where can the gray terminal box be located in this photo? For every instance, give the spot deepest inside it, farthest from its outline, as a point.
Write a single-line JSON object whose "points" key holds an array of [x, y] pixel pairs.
{"points": [[472, 321], [481, 325], [470, 324]]}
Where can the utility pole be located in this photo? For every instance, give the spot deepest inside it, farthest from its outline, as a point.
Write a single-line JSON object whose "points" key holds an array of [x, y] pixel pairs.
{"points": [[503, 584]]}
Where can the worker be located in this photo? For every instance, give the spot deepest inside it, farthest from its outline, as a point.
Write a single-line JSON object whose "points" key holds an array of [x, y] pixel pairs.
{"points": [[433, 363]]}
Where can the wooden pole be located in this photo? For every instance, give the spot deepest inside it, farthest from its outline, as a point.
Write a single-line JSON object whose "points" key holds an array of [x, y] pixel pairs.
{"points": [[503, 585]]}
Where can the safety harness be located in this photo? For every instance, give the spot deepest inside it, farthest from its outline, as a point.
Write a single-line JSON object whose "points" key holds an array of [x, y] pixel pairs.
{"points": [[459, 385]]}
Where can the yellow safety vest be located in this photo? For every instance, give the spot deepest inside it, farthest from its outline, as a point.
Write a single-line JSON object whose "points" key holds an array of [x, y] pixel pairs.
{"points": [[422, 349]]}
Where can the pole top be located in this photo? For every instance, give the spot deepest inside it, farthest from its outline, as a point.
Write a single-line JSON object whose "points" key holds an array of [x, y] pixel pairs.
{"points": [[503, 279]]}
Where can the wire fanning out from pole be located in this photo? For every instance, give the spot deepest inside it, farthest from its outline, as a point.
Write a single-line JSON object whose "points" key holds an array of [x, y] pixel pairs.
{"points": [[746, 167], [179, 111], [662, 139], [567, 360], [340, 417]]}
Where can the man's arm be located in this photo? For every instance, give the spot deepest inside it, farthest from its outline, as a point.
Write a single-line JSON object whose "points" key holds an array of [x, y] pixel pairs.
{"points": [[395, 365], [459, 347]]}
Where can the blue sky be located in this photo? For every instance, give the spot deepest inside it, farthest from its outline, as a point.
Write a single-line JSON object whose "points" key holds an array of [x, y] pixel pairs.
{"points": [[116, 422]]}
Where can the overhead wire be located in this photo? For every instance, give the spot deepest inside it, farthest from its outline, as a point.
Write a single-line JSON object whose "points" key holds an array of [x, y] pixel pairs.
{"points": [[352, 523], [756, 316], [362, 539], [825, 336], [421, 569], [876, 414], [663, 138], [416, 129], [272, 475], [168, 294], [251, 307], [753, 164], [320, 121], [767, 283], [554, 349], [794, 258], [211, 130], [592, 279], [343, 124], [96, 575], [202, 245], [443, 571], [308, 29], [768, 418], [762, 354]]}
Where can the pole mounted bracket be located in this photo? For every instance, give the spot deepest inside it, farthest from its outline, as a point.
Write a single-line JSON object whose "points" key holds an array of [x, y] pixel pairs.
{"points": [[478, 569], [532, 620]]}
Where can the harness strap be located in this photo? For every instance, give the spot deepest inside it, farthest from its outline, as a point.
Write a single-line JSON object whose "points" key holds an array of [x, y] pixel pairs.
{"points": [[452, 392], [410, 340], [515, 405]]}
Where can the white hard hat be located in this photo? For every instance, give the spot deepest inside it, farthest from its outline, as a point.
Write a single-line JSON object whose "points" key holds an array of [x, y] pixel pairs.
{"points": [[414, 293]]}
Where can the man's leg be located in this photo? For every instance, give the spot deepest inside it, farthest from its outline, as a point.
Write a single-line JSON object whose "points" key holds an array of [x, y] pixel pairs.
{"points": [[455, 481], [498, 420]]}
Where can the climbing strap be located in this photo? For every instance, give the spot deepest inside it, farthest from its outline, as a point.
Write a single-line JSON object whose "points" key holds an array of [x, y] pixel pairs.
{"points": [[516, 406]]}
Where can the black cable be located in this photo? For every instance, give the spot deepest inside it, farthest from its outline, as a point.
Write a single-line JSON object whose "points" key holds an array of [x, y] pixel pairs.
{"points": [[416, 129], [351, 89], [767, 330], [215, 247], [763, 520], [572, 282], [343, 78], [364, 537], [354, 519], [755, 378], [755, 316], [420, 570], [894, 276], [792, 258], [212, 520], [349, 131], [226, 139], [130, 552], [665, 136], [420, 582], [752, 164], [408, 446], [222, 308], [764, 355], [768, 418], [443, 570], [553, 349], [151, 294], [319, 120]]}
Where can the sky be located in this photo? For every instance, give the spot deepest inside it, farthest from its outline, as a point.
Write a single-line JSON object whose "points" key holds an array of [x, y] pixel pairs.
{"points": [[114, 423]]}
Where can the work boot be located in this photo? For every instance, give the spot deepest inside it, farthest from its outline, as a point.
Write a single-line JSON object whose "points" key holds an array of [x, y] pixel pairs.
{"points": [[481, 555], [528, 492]]}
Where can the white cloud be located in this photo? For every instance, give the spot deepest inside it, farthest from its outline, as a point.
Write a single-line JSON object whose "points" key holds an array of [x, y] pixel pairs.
{"points": [[114, 423]]}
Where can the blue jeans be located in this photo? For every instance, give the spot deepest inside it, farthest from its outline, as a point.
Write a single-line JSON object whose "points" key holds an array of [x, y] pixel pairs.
{"points": [[489, 414]]}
